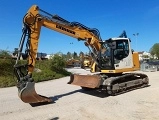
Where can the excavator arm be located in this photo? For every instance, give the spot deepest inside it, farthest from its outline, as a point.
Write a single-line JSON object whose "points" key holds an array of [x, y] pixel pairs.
{"points": [[33, 22]]}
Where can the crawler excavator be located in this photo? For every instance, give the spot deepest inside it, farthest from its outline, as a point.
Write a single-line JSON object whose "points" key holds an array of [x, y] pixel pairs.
{"points": [[113, 58]]}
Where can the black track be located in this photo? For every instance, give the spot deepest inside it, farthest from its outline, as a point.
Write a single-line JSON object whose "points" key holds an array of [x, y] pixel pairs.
{"points": [[125, 82]]}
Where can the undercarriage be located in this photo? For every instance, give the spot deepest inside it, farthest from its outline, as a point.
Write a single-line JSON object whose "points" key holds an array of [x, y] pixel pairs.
{"points": [[112, 84]]}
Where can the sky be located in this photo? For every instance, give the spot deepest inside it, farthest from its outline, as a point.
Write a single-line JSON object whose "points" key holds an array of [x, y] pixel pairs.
{"points": [[110, 17]]}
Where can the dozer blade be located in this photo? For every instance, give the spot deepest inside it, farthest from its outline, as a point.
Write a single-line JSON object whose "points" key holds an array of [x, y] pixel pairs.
{"points": [[28, 94], [89, 81]]}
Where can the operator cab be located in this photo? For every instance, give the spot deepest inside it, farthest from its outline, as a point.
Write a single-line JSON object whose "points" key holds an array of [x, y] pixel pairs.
{"points": [[113, 51]]}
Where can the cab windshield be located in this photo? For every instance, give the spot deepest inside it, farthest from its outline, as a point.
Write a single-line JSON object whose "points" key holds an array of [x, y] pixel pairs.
{"points": [[113, 52]]}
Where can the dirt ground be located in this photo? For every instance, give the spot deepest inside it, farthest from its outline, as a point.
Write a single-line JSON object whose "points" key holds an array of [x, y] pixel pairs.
{"points": [[72, 103]]}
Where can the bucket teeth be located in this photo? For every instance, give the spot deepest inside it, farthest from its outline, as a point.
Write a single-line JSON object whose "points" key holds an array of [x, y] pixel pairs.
{"points": [[28, 94], [90, 81]]}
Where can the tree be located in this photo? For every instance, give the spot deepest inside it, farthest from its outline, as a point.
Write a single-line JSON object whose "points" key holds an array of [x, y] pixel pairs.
{"points": [[154, 51], [69, 56], [4, 53], [57, 63], [75, 56], [81, 54], [15, 51]]}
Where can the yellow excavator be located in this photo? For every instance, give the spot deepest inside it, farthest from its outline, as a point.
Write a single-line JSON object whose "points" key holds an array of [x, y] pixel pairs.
{"points": [[113, 58], [86, 61], [72, 63]]}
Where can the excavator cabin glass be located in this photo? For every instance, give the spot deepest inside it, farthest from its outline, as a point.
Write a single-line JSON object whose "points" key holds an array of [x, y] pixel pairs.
{"points": [[113, 52]]}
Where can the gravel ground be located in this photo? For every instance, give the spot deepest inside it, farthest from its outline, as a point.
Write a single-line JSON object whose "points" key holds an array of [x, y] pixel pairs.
{"points": [[72, 103]]}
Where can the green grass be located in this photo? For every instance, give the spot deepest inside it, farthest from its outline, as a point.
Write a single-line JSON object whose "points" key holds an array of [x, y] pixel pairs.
{"points": [[7, 78]]}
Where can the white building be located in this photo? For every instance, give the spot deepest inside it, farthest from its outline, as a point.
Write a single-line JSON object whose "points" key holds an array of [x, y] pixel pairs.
{"points": [[48, 56], [145, 56]]}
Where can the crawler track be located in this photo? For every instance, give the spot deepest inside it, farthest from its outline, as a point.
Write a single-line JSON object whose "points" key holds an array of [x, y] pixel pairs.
{"points": [[126, 82]]}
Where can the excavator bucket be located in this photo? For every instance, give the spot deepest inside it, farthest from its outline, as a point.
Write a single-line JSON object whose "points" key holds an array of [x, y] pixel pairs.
{"points": [[89, 81], [28, 94]]}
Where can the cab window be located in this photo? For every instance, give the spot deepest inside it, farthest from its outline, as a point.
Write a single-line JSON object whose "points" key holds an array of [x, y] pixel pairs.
{"points": [[122, 49]]}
